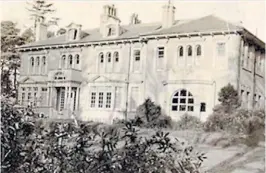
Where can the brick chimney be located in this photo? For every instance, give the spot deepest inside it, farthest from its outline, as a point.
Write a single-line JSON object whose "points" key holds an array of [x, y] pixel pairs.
{"points": [[168, 15], [41, 30], [134, 19]]}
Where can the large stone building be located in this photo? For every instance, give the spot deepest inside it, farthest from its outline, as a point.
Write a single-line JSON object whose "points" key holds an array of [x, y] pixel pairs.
{"points": [[100, 74]]}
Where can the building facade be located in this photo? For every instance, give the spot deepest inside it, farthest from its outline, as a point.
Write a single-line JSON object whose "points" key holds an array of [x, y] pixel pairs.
{"points": [[100, 74]]}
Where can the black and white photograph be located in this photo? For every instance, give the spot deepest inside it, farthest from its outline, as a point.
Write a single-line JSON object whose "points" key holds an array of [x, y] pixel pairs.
{"points": [[122, 86]]}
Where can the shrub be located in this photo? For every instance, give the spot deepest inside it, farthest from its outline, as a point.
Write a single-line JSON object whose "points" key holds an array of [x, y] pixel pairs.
{"points": [[228, 97], [188, 122], [150, 115]]}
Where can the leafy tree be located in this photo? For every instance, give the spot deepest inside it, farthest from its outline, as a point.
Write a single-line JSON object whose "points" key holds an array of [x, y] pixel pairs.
{"points": [[10, 60], [28, 35], [228, 97], [39, 9]]}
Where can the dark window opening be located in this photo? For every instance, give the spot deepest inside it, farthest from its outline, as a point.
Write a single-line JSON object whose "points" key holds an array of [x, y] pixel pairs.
{"points": [[202, 107]]}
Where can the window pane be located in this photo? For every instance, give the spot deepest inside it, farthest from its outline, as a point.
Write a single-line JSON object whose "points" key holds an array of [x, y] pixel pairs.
{"points": [[191, 100], [100, 100], [174, 108], [183, 100], [160, 52], [182, 107], [189, 51], [190, 108], [175, 100], [183, 93], [198, 50], [93, 99]]}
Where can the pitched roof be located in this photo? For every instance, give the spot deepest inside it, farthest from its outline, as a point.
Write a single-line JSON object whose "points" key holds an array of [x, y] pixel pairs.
{"points": [[207, 23]]}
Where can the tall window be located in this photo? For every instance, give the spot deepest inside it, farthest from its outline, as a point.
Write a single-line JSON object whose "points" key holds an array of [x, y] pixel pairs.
{"points": [[44, 96], [116, 67], [189, 50], [220, 49], [108, 99], [100, 101], [136, 61], [77, 60], [109, 62], [116, 56], [93, 99], [43, 64], [183, 101], [32, 65], [37, 65], [180, 51], [101, 63], [70, 59], [63, 61], [160, 58], [198, 50]]}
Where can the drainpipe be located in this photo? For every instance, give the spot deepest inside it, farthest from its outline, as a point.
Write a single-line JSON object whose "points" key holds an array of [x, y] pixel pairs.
{"points": [[127, 81]]}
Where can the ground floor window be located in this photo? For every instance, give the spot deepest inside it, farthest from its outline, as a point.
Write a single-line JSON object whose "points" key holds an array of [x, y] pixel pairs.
{"points": [[101, 97], [183, 101]]}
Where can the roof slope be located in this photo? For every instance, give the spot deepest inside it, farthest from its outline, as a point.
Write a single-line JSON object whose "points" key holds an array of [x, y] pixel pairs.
{"points": [[207, 23]]}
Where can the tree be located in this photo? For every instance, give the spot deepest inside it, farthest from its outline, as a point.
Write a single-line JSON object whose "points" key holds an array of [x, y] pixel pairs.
{"points": [[10, 59], [39, 9], [228, 97], [28, 35]]}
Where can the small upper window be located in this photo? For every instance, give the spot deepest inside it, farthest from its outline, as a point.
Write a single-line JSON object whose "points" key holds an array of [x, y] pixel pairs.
{"points": [[137, 55], [77, 59], [70, 58], [108, 57], [101, 56], [44, 60], [198, 50], [38, 61], [180, 51], [221, 49], [189, 51], [111, 31], [116, 57], [32, 61], [160, 52]]}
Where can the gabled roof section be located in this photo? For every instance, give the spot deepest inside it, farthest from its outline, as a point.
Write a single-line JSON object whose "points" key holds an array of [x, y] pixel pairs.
{"points": [[204, 24]]}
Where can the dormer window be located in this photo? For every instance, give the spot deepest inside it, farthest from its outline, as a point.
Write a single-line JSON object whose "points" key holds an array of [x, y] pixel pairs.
{"points": [[111, 31], [74, 31]]}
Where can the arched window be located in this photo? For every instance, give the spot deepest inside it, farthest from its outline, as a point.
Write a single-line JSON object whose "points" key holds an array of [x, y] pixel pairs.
{"points": [[198, 50], [101, 56], [180, 51], [108, 55], [183, 101], [189, 50], [44, 60], [38, 61], [32, 61], [116, 56], [70, 59], [63, 61], [77, 59]]}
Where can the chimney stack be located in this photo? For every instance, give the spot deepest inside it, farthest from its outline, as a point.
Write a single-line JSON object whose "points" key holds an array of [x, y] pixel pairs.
{"points": [[134, 19], [168, 15], [41, 30]]}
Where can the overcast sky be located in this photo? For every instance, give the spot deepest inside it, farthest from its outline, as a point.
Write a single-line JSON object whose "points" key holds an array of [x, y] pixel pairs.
{"points": [[87, 12]]}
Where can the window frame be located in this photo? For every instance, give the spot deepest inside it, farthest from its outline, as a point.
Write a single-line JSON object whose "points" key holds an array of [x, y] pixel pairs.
{"points": [[179, 105]]}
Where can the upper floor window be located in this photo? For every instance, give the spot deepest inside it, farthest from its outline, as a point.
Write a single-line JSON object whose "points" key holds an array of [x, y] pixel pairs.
{"points": [[136, 60], [189, 50], [116, 57], [220, 49], [137, 55], [108, 57], [111, 31], [180, 51], [198, 50], [77, 59], [63, 62], [38, 61], [160, 52], [73, 34], [70, 58], [32, 61], [101, 56], [44, 60]]}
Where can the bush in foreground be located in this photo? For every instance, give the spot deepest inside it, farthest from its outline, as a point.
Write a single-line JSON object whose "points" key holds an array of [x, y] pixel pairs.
{"points": [[32, 145]]}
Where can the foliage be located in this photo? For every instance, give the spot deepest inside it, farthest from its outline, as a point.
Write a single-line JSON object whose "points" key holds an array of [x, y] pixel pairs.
{"points": [[150, 115], [228, 97], [39, 9], [188, 122], [37, 145]]}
